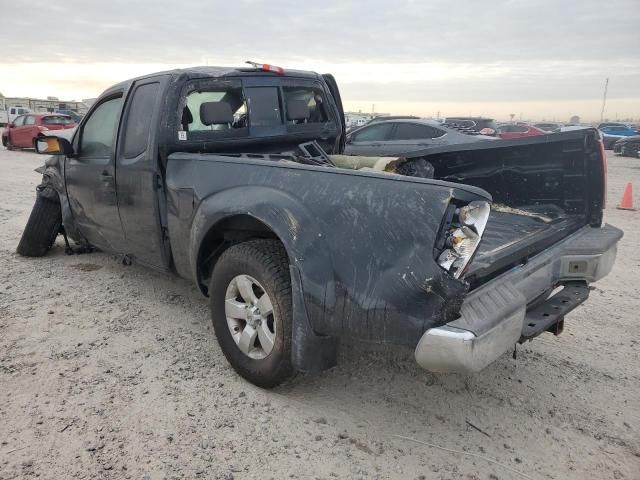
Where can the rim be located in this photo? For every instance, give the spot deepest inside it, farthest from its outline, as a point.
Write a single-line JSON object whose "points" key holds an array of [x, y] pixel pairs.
{"points": [[250, 317]]}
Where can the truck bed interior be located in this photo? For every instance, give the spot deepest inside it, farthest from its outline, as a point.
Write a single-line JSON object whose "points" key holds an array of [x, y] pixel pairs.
{"points": [[542, 193]]}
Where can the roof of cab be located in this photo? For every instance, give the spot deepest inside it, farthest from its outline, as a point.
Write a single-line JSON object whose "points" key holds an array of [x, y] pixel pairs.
{"points": [[218, 72]]}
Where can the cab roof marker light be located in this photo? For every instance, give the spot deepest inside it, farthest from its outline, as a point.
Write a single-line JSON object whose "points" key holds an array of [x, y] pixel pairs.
{"points": [[265, 67]]}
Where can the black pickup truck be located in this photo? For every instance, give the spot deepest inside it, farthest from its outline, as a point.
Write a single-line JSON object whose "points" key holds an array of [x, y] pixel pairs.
{"points": [[235, 179]]}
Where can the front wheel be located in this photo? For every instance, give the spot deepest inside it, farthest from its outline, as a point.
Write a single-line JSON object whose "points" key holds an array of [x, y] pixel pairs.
{"points": [[42, 228], [251, 310]]}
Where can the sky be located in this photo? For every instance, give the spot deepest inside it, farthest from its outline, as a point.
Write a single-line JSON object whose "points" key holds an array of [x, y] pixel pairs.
{"points": [[536, 59]]}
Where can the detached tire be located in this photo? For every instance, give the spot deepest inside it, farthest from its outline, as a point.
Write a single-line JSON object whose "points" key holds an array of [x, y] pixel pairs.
{"points": [[251, 310], [42, 228]]}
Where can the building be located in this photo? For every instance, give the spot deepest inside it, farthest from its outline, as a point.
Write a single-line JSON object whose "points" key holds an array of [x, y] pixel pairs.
{"points": [[50, 104], [357, 119]]}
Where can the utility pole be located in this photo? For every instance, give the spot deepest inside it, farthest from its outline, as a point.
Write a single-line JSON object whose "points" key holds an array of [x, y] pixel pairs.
{"points": [[604, 98]]}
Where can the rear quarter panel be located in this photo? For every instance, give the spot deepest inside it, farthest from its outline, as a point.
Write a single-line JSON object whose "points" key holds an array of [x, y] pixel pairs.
{"points": [[363, 243]]}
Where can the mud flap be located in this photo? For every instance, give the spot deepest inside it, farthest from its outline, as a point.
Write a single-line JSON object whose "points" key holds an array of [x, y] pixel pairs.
{"points": [[310, 352]]}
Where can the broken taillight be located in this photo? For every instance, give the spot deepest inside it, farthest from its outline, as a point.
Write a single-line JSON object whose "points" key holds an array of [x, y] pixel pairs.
{"points": [[463, 236]]}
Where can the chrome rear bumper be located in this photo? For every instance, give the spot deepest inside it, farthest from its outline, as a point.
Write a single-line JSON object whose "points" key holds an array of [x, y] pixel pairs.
{"points": [[492, 316]]}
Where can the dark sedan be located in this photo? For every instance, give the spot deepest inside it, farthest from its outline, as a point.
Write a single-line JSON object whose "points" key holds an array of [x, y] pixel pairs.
{"points": [[398, 137], [627, 146]]}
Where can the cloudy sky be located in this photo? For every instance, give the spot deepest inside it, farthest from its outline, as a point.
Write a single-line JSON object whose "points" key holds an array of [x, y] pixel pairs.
{"points": [[539, 59]]}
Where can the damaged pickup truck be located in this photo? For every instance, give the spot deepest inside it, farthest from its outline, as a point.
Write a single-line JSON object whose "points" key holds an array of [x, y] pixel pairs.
{"points": [[235, 179]]}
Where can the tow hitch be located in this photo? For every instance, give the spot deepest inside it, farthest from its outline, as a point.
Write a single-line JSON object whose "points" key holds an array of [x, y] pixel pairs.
{"points": [[549, 315]]}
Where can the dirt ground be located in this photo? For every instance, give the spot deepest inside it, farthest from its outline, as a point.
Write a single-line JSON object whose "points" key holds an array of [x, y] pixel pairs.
{"points": [[109, 371]]}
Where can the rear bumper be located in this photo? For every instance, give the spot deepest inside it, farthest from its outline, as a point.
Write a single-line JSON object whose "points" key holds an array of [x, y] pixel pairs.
{"points": [[492, 317]]}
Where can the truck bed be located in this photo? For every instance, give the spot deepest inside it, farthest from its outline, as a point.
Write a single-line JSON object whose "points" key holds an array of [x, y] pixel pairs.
{"points": [[544, 188], [512, 235]]}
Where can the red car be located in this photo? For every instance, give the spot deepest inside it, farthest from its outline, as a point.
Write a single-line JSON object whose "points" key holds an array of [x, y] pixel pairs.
{"points": [[514, 130], [22, 132]]}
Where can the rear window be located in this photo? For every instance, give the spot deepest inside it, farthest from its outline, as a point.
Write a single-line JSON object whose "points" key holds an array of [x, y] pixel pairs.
{"points": [[57, 120], [264, 106], [414, 131], [308, 103], [230, 98]]}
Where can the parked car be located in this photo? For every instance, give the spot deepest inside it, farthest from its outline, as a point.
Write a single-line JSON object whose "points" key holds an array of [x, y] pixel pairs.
{"points": [[627, 146], [612, 132], [399, 137], [486, 126], [25, 129], [235, 180], [548, 127], [518, 130]]}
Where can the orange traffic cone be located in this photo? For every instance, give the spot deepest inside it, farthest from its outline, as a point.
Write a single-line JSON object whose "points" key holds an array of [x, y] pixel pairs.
{"points": [[627, 198]]}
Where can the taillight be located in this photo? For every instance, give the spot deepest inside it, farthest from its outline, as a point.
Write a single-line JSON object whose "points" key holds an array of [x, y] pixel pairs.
{"points": [[462, 236], [43, 129], [603, 155]]}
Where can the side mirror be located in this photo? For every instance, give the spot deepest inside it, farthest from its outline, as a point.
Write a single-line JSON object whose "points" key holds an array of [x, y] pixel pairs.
{"points": [[50, 145]]}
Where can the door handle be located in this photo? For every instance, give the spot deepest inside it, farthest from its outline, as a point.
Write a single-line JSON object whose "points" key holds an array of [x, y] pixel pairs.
{"points": [[105, 177], [375, 144]]}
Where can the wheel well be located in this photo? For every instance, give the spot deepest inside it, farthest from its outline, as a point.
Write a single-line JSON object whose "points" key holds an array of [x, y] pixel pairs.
{"points": [[222, 235]]}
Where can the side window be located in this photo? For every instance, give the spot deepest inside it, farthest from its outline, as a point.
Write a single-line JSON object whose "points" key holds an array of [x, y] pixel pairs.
{"points": [[18, 121], [30, 120], [224, 109], [412, 131], [138, 123], [520, 128], [264, 107], [373, 133], [305, 105], [97, 136]]}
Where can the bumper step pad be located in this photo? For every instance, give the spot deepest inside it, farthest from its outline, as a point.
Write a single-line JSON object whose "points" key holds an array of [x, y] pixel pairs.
{"points": [[548, 316]]}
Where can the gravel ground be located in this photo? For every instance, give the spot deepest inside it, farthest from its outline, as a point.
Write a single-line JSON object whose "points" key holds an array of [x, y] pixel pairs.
{"points": [[108, 371]]}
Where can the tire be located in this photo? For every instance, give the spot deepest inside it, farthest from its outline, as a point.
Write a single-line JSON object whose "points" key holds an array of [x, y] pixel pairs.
{"points": [[264, 263], [42, 228]]}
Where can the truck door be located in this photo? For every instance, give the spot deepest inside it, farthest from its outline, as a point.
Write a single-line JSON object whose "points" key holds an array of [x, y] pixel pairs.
{"points": [[138, 179], [90, 176]]}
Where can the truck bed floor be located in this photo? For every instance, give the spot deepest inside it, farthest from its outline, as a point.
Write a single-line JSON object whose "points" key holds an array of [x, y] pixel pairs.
{"points": [[514, 234]]}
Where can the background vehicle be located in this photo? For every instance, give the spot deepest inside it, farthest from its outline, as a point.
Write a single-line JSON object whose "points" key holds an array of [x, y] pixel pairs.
{"points": [[627, 146], [24, 130], [398, 137], [515, 130], [474, 124], [9, 115], [548, 127], [612, 132], [74, 115], [220, 175]]}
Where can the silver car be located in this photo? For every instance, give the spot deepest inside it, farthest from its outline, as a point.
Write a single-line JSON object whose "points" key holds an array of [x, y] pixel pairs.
{"points": [[398, 137]]}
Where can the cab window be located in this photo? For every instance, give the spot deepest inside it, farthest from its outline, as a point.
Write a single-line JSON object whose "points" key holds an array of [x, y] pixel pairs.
{"points": [[305, 105], [227, 103], [97, 136]]}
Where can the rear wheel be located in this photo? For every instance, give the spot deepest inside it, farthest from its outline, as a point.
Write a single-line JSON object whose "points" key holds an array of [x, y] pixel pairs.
{"points": [[42, 228], [251, 310]]}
